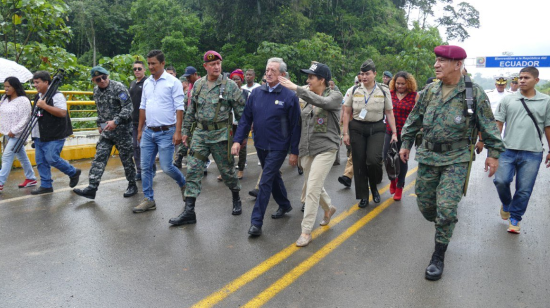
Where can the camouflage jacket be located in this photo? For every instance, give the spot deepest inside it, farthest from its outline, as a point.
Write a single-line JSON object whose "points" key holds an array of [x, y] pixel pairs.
{"points": [[443, 121], [204, 103], [113, 103]]}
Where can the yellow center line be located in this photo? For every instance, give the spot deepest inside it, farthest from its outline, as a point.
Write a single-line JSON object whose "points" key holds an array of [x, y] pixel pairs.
{"points": [[281, 284], [277, 258]]}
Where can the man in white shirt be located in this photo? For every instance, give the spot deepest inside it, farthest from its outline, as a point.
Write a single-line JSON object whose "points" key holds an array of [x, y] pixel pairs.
{"points": [[496, 94], [249, 76], [159, 128]]}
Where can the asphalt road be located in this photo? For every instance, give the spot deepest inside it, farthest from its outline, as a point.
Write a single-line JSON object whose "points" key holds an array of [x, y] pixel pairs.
{"points": [[62, 250]]}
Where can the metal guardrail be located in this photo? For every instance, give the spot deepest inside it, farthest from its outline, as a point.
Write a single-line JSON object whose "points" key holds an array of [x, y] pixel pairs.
{"points": [[90, 114]]}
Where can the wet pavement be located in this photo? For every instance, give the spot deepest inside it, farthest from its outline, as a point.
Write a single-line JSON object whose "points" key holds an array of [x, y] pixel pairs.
{"points": [[62, 250]]}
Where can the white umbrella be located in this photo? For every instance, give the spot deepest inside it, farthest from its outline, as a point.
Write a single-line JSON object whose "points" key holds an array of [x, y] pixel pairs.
{"points": [[10, 68]]}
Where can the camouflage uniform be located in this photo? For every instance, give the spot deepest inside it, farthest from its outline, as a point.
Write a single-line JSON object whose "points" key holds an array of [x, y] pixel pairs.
{"points": [[113, 103], [441, 175], [202, 110]]}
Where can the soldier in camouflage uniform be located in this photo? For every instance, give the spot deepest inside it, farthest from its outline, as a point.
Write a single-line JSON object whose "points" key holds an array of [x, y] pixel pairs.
{"points": [[114, 122], [444, 154], [212, 99]]}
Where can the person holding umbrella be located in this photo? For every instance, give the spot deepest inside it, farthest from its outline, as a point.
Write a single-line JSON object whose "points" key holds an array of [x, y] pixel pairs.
{"points": [[15, 112]]}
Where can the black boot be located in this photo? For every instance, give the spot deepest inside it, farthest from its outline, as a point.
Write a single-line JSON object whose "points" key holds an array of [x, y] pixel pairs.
{"points": [[131, 190], [188, 215], [237, 208], [374, 191], [435, 269], [88, 192], [177, 162]]}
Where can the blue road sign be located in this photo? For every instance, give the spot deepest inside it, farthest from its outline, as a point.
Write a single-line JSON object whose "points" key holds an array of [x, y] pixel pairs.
{"points": [[513, 61]]}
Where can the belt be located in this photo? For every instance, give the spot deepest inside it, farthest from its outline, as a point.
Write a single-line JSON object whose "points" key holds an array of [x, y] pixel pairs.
{"points": [[445, 147], [212, 126], [160, 128]]}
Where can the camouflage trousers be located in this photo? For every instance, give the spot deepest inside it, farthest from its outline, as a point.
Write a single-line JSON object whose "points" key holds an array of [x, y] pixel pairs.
{"points": [[182, 149], [123, 143], [195, 166], [439, 190]]}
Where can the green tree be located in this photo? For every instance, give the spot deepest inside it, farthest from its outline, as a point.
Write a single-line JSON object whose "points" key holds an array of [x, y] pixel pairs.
{"points": [[25, 21], [417, 56]]}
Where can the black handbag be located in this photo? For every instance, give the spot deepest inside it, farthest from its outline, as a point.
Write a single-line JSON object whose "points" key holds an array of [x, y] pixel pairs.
{"points": [[392, 162]]}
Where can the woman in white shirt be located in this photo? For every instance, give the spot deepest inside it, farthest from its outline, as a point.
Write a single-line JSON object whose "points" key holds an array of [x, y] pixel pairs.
{"points": [[15, 112]]}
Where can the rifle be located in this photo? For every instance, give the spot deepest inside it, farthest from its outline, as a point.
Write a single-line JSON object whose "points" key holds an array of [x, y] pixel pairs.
{"points": [[37, 112], [469, 113]]}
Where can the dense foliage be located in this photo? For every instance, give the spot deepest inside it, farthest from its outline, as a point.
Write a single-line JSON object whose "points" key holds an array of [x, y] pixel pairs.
{"points": [[78, 34]]}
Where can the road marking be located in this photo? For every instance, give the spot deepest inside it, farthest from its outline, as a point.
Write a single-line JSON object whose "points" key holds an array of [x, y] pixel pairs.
{"points": [[277, 258], [285, 281], [81, 186]]}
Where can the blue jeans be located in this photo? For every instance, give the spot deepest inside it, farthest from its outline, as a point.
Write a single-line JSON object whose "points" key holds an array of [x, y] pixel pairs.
{"points": [[270, 182], [151, 144], [525, 165], [7, 161], [47, 155]]}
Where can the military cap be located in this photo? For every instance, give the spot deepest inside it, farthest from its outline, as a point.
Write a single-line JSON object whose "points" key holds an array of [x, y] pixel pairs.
{"points": [[368, 66], [514, 78], [189, 71], [388, 73], [450, 52], [318, 69], [98, 71], [212, 55], [501, 80]]}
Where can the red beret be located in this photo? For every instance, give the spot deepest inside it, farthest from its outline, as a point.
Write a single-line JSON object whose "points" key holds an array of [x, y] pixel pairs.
{"points": [[450, 52], [211, 55]]}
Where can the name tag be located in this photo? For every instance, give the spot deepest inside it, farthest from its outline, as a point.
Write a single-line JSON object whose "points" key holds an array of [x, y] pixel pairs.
{"points": [[363, 114], [358, 95], [378, 96]]}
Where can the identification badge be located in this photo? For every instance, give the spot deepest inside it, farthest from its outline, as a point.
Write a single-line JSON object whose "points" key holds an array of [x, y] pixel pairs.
{"points": [[363, 114]]}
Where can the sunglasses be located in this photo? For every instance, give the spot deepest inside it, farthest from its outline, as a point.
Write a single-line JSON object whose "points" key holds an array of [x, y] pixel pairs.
{"points": [[138, 68], [98, 79]]}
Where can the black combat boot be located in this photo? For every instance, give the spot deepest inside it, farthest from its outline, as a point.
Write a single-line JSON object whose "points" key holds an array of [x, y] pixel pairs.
{"points": [[435, 269], [88, 192], [237, 208], [188, 215], [178, 160], [374, 191], [131, 190]]}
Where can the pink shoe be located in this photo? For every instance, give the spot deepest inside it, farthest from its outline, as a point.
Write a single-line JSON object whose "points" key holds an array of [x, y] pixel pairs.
{"points": [[28, 183]]}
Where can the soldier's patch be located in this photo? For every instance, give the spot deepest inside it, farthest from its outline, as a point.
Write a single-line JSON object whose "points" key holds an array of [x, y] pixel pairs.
{"points": [[458, 119], [123, 96], [320, 121]]}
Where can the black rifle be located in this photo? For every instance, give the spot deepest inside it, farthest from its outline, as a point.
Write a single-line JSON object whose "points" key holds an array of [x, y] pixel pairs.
{"points": [[37, 112]]}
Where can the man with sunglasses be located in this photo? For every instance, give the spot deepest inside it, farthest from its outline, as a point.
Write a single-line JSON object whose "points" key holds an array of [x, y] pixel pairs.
{"points": [[114, 123], [136, 88]]}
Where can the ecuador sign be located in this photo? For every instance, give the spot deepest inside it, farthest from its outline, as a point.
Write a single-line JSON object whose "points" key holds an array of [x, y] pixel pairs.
{"points": [[513, 61]]}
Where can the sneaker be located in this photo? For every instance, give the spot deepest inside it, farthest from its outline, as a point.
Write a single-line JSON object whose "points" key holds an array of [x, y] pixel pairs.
{"points": [[27, 183], [513, 226], [41, 190], [504, 215], [73, 180], [145, 205]]}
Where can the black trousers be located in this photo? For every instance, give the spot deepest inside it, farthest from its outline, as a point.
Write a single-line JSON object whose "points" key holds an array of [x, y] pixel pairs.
{"points": [[367, 142], [403, 167]]}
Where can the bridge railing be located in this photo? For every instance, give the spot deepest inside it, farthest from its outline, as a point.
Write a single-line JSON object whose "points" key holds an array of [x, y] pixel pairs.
{"points": [[81, 110]]}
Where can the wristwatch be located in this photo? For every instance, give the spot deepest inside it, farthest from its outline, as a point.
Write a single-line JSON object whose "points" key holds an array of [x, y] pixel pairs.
{"points": [[116, 121]]}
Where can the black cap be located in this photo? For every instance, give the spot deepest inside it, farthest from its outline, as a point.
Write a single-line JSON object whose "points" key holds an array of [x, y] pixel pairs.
{"points": [[318, 69]]}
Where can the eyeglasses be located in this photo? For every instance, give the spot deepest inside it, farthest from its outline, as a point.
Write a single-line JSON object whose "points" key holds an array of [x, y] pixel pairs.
{"points": [[137, 69], [98, 79]]}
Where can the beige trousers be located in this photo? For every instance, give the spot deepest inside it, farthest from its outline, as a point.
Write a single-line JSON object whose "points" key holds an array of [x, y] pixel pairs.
{"points": [[316, 169], [349, 168]]}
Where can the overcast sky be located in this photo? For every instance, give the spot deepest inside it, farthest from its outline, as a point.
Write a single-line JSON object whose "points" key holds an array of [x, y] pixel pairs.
{"points": [[517, 26]]}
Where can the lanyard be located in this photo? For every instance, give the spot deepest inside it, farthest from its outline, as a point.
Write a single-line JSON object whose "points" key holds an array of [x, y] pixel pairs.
{"points": [[367, 99]]}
